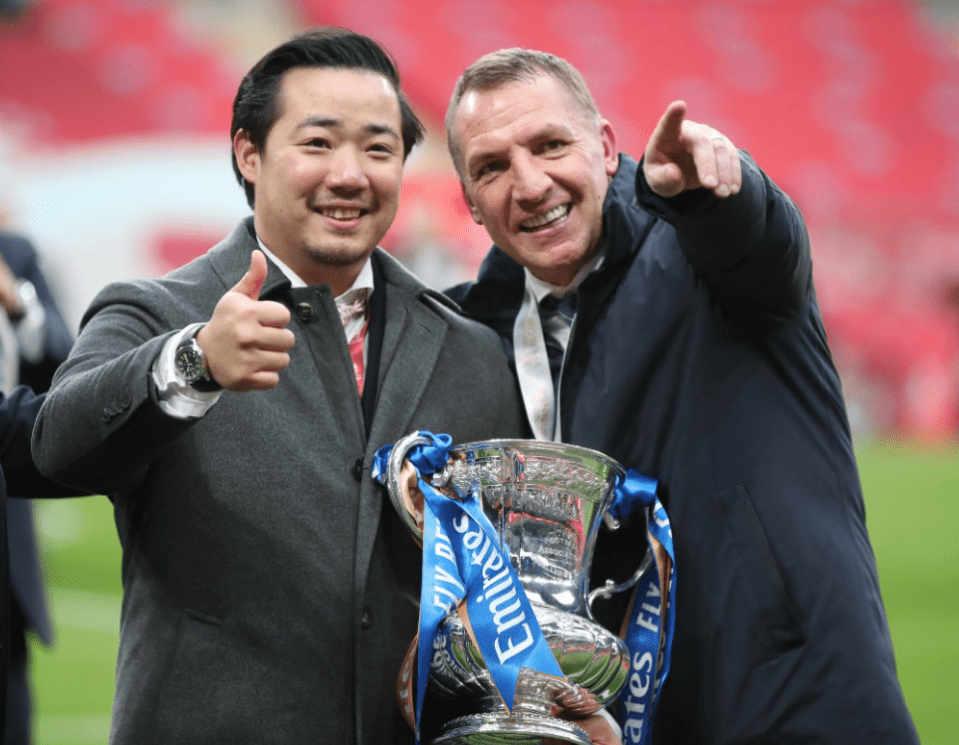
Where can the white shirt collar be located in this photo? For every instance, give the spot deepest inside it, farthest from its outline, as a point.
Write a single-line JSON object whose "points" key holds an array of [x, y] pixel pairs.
{"points": [[541, 289], [364, 280]]}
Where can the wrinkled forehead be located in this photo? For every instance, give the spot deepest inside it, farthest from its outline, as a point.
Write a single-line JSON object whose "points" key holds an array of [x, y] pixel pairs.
{"points": [[512, 100], [502, 92], [516, 106]]}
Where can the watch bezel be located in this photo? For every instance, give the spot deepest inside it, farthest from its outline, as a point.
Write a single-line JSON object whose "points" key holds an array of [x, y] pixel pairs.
{"points": [[190, 364]]}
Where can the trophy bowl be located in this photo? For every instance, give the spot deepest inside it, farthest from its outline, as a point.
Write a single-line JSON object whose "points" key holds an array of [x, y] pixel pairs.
{"points": [[545, 501]]}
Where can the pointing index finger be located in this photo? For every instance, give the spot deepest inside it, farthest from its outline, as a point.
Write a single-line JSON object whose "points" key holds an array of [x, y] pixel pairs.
{"points": [[668, 130]]}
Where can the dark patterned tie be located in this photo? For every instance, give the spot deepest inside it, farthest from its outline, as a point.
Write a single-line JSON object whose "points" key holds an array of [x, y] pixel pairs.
{"points": [[556, 315]]}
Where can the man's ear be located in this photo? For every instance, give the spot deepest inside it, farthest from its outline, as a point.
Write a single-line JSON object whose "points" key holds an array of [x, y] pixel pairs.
{"points": [[472, 207], [247, 156], [610, 155]]}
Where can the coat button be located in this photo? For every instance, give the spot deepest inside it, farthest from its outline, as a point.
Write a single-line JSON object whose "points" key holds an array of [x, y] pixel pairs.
{"points": [[356, 470], [366, 620], [304, 311]]}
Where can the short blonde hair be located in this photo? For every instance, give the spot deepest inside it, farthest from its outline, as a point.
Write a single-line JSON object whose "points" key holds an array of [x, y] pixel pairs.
{"points": [[512, 66]]}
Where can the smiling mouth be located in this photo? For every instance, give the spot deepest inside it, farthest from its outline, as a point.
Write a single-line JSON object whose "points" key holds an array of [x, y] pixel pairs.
{"points": [[342, 213], [546, 220]]}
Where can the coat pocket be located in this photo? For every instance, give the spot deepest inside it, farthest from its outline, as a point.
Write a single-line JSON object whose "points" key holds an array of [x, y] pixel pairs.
{"points": [[761, 570], [188, 703]]}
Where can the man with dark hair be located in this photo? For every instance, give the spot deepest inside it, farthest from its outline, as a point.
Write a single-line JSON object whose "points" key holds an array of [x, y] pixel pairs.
{"points": [[231, 411], [677, 294], [257, 103]]}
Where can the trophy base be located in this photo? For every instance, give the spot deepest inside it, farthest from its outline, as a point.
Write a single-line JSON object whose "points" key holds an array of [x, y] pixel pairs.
{"points": [[518, 729]]}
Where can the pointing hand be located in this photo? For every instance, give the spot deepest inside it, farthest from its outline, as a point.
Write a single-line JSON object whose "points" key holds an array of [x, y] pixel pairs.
{"points": [[683, 155]]}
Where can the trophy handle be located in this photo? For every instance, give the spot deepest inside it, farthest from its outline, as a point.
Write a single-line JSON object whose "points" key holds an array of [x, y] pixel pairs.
{"points": [[610, 587], [397, 484]]}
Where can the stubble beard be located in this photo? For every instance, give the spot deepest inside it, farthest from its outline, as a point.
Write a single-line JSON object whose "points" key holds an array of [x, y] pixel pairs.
{"points": [[336, 256]]}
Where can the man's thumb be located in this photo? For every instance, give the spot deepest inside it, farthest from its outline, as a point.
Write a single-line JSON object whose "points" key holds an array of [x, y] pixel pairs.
{"points": [[253, 280]]}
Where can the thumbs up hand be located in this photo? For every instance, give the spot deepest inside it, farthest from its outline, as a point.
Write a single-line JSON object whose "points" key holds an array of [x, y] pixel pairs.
{"points": [[247, 339]]}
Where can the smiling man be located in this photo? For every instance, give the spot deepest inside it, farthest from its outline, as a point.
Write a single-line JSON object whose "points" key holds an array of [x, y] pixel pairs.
{"points": [[231, 411], [505, 140], [664, 313]]}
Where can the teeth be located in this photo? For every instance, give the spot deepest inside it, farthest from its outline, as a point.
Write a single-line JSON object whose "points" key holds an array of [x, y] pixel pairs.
{"points": [[554, 214], [339, 213]]}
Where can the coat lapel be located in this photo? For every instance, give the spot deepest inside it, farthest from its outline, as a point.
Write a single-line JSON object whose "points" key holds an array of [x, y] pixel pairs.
{"points": [[230, 259], [412, 341]]}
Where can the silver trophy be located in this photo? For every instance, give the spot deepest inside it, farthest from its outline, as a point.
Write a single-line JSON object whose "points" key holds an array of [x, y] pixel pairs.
{"points": [[546, 501]]}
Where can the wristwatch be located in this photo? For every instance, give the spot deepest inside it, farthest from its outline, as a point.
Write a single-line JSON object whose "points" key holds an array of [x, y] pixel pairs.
{"points": [[191, 367]]}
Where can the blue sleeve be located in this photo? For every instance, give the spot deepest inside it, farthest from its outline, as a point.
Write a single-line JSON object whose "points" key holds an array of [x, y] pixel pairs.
{"points": [[18, 412]]}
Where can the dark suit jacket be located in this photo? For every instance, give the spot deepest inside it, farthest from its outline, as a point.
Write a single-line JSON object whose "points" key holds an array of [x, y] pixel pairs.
{"points": [[25, 579], [270, 590], [699, 357], [18, 475]]}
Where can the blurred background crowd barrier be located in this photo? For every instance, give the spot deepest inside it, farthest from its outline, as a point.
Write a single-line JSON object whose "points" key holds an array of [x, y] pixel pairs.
{"points": [[115, 161]]}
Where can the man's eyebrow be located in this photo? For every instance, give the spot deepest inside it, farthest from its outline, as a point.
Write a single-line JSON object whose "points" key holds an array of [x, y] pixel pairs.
{"points": [[332, 122], [320, 121], [480, 158], [383, 129], [545, 131], [492, 152]]}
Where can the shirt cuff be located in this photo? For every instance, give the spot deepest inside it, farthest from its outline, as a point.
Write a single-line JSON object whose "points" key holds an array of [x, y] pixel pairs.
{"points": [[31, 328], [177, 398], [614, 725]]}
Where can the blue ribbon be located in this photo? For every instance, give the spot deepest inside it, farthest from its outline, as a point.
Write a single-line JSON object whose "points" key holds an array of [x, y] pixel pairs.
{"points": [[649, 634], [463, 558]]}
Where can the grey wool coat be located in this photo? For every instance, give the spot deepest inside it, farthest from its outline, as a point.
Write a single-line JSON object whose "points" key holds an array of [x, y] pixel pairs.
{"points": [[270, 591]]}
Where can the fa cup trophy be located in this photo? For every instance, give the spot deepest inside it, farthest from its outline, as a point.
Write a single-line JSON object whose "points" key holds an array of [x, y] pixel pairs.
{"points": [[506, 629]]}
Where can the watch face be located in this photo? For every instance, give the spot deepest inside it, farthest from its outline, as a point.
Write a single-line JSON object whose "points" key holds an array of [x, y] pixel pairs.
{"points": [[189, 364]]}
